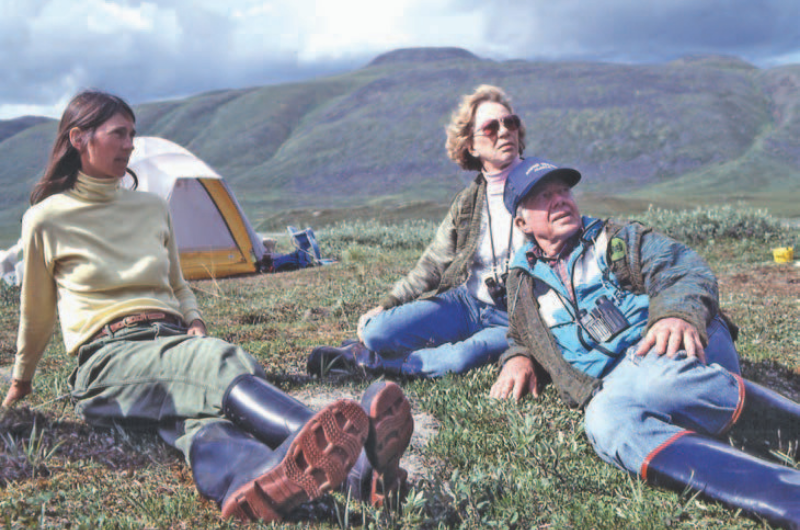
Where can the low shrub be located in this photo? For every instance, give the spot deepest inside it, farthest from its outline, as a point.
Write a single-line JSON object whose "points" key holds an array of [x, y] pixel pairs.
{"points": [[716, 222], [412, 234]]}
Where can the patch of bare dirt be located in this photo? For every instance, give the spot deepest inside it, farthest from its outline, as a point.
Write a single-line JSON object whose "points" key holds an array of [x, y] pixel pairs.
{"points": [[425, 426], [763, 281]]}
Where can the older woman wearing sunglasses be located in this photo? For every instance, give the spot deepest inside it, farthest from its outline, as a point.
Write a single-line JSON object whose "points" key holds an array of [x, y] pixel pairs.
{"points": [[448, 314]]}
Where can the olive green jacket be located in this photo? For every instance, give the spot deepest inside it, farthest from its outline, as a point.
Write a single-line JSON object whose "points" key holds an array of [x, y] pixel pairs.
{"points": [[445, 263]]}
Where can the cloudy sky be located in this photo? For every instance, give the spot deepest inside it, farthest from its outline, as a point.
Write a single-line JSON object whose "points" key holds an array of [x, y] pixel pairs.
{"points": [[160, 49]]}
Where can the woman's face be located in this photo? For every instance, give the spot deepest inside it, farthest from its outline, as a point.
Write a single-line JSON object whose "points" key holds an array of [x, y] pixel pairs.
{"points": [[105, 154], [498, 149]]}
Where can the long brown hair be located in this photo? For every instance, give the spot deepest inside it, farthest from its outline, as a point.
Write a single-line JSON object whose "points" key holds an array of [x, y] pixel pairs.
{"points": [[87, 111]]}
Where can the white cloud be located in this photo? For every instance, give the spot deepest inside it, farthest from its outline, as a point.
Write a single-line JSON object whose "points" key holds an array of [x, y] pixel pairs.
{"points": [[321, 30], [111, 18], [335, 32], [9, 111]]}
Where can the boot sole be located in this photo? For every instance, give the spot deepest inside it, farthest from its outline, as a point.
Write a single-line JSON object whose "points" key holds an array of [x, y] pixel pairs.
{"points": [[316, 462], [391, 427]]}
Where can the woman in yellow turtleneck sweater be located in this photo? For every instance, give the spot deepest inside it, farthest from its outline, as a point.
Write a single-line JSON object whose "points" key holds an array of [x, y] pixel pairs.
{"points": [[104, 259]]}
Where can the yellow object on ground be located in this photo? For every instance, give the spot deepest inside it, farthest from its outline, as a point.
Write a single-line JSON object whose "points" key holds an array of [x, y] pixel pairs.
{"points": [[783, 254]]}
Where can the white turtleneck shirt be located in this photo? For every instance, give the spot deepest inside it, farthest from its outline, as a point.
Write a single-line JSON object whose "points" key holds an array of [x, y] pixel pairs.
{"points": [[501, 227]]}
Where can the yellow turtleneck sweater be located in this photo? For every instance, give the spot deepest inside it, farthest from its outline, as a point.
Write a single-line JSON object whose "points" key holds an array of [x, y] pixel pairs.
{"points": [[96, 252]]}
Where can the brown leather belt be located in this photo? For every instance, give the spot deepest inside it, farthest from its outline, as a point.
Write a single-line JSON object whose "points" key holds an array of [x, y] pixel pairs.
{"points": [[135, 320]]}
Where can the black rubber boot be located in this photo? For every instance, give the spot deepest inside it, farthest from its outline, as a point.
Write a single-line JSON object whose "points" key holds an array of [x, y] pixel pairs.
{"points": [[222, 442], [390, 428], [732, 477], [358, 484], [252, 482], [763, 406], [266, 411], [352, 358]]}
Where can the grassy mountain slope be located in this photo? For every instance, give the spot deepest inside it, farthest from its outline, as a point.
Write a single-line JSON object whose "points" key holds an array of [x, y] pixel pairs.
{"points": [[22, 158], [9, 128], [693, 131], [766, 173]]}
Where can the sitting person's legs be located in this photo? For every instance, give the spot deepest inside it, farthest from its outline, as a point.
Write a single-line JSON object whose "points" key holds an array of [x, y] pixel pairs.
{"points": [[658, 418], [157, 374], [481, 348], [160, 377], [647, 400], [451, 332]]}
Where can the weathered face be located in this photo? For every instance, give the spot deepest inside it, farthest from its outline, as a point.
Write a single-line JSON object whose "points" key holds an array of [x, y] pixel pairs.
{"points": [[105, 154], [495, 150], [549, 214]]}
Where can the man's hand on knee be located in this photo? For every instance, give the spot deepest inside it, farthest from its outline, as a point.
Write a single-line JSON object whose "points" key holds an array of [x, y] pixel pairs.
{"points": [[517, 379], [670, 335]]}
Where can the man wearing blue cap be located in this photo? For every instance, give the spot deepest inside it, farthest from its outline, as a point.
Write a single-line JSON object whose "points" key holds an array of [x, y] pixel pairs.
{"points": [[626, 323]]}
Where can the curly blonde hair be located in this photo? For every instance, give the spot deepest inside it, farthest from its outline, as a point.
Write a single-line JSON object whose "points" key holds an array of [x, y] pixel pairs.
{"points": [[462, 125]]}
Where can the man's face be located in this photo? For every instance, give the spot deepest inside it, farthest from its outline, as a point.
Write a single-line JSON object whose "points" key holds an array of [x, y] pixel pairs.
{"points": [[549, 214], [495, 150]]}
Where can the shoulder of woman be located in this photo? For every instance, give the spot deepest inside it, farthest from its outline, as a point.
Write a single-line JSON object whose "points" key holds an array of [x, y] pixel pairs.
{"points": [[39, 214], [465, 196]]}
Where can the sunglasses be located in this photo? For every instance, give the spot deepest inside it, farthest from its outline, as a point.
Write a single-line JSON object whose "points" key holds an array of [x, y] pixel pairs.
{"points": [[491, 127]]}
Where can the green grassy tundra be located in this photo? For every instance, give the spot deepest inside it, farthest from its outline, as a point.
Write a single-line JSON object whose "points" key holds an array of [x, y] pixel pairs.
{"points": [[489, 464]]}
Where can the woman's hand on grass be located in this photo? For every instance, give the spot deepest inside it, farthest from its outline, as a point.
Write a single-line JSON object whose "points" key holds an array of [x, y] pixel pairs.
{"points": [[19, 389]]}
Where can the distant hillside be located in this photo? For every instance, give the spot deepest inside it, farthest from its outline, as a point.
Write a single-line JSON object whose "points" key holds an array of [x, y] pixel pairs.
{"points": [[694, 131], [9, 128]]}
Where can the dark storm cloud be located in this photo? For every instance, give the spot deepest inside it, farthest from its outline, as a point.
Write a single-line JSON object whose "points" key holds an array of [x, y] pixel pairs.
{"points": [[759, 31]]}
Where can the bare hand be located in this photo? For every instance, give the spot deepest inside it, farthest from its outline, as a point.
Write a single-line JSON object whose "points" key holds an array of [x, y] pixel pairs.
{"points": [[197, 327], [19, 389], [670, 335], [517, 378], [362, 321]]}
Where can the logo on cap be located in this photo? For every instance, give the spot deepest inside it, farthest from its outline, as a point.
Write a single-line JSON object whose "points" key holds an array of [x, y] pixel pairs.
{"points": [[539, 166]]}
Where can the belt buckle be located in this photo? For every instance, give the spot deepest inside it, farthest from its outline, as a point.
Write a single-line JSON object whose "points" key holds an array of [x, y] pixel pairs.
{"points": [[131, 320]]}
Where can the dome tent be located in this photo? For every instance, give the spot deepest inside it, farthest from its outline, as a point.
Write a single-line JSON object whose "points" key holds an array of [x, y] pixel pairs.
{"points": [[214, 237]]}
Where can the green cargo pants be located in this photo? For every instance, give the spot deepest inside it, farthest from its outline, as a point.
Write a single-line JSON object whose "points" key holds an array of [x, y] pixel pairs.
{"points": [[156, 376]]}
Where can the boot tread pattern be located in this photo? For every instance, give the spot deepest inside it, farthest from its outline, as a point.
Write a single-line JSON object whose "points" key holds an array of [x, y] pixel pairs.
{"points": [[392, 427], [318, 460]]}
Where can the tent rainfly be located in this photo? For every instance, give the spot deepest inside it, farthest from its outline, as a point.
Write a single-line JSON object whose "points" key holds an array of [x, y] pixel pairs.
{"points": [[214, 237]]}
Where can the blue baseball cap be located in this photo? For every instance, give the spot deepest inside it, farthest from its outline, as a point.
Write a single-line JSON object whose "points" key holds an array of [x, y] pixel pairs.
{"points": [[529, 173]]}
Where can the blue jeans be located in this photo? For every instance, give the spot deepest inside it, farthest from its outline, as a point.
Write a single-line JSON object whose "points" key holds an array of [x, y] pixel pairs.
{"points": [[452, 332], [646, 400]]}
